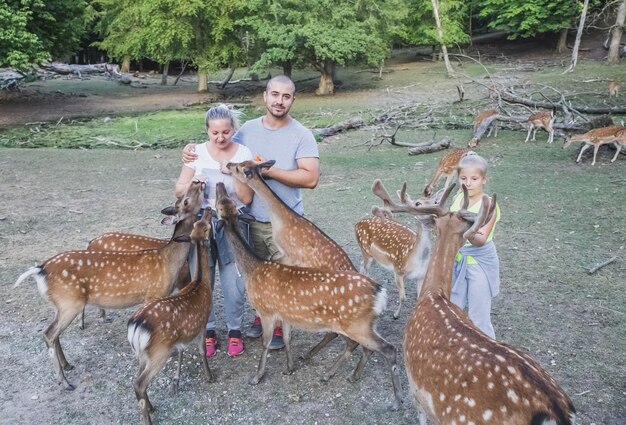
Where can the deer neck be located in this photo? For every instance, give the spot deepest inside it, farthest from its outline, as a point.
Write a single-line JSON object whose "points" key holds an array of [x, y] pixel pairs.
{"points": [[276, 207], [184, 227], [202, 266], [439, 275], [247, 261]]}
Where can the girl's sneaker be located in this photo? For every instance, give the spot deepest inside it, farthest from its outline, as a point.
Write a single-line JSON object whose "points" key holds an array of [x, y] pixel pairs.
{"points": [[210, 343], [235, 343]]}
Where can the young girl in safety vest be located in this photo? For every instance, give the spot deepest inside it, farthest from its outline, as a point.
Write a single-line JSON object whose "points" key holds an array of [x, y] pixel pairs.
{"points": [[476, 276]]}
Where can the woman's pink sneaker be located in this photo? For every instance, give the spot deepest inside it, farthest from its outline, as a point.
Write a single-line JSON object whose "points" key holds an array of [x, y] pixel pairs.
{"points": [[210, 344], [235, 343]]}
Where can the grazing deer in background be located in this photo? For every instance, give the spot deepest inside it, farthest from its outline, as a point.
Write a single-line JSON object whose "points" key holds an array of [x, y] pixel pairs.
{"points": [[614, 87], [313, 299], [108, 279], [393, 245], [539, 120], [457, 374], [493, 125], [301, 243], [164, 324], [597, 137], [447, 168]]}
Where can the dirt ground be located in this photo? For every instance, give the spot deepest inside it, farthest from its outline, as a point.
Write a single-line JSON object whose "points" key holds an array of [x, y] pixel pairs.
{"points": [[56, 200]]}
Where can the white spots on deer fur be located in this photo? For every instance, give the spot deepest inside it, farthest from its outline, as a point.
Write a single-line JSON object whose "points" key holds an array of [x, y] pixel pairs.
{"points": [[442, 396], [511, 370], [487, 414], [457, 397], [500, 358], [490, 385], [469, 401], [512, 395], [64, 273]]}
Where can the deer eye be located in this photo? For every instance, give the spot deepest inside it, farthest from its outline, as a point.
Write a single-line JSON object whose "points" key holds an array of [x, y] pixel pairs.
{"points": [[186, 202]]}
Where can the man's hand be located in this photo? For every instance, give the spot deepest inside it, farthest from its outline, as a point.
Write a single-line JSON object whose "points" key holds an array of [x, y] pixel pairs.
{"points": [[189, 153]]}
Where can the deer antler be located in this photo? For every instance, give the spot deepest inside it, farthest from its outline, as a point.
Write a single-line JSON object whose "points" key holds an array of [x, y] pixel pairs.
{"points": [[379, 190]]}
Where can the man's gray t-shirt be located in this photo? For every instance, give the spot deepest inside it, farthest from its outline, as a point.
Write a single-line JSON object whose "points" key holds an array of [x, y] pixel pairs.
{"points": [[285, 146]]}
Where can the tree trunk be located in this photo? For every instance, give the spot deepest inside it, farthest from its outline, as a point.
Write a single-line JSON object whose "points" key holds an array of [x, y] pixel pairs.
{"points": [[444, 49], [616, 36], [223, 84], [579, 34], [202, 81], [326, 86], [125, 64], [561, 45], [166, 70], [287, 68]]}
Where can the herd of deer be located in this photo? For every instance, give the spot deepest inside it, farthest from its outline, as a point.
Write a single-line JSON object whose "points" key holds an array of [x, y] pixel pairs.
{"points": [[614, 134], [457, 374]]}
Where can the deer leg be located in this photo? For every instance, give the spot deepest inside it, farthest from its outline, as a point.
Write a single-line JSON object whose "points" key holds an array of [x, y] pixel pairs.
{"points": [[535, 133], [374, 342], [205, 363], [583, 149], [490, 130], [550, 136], [81, 326], [350, 347], [400, 285], [62, 319], [366, 263], [448, 179], [323, 343], [358, 371], [146, 375], [618, 148], [176, 379], [530, 129], [495, 127], [268, 331], [287, 340], [596, 147]]}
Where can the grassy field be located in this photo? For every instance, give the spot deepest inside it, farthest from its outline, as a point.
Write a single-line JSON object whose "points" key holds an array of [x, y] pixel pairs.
{"points": [[558, 220]]}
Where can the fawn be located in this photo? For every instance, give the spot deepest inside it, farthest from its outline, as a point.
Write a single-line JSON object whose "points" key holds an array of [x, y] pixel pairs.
{"points": [[597, 137], [539, 120], [456, 373], [163, 324], [107, 279], [313, 299], [447, 168], [490, 116], [614, 87]]}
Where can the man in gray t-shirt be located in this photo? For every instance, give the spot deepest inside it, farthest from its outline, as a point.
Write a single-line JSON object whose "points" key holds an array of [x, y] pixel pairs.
{"points": [[278, 136]]}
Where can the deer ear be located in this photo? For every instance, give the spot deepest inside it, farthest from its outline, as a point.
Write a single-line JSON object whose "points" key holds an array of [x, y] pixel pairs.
{"points": [[170, 220], [182, 238], [428, 221], [169, 210]]}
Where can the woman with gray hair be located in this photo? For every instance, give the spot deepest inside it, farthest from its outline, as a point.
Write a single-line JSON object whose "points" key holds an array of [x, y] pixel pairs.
{"points": [[221, 123]]}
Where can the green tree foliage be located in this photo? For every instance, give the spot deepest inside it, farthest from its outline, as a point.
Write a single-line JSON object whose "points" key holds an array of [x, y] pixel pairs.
{"points": [[454, 15], [325, 33], [32, 31], [527, 18]]}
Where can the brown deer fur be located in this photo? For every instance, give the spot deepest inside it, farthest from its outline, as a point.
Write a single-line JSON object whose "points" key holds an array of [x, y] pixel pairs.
{"points": [[456, 373], [614, 87], [597, 137], [539, 120], [164, 324], [447, 168], [107, 279], [313, 299]]}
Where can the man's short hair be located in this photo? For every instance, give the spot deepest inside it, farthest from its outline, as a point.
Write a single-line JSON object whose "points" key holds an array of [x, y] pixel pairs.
{"points": [[282, 79]]}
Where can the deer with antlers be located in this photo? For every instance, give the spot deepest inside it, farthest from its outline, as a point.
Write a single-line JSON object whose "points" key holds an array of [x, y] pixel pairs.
{"points": [[314, 299], [164, 324], [456, 373], [539, 120], [393, 245], [597, 137], [447, 168], [108, 279]]}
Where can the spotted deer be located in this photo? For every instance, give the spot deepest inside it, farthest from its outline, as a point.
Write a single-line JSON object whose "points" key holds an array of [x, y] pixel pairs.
{"points": [[597, 137], [312, 299], [108, 279], [301, 243], [614, 87], [393, 245], [493, 125], [165, 324], [539, 120], [447, 168], [116, 241], [456, 373]]}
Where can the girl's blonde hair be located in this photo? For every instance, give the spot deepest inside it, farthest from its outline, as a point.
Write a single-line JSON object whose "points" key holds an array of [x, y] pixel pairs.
{"points": [[472, 159], [222, 111]]}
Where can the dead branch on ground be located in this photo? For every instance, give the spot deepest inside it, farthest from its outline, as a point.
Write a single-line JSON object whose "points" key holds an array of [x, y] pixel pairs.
{"points": [[599, 266], [429, 147]]}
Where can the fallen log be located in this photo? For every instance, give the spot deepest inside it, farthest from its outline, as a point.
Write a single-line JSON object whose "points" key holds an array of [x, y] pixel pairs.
{"points": [[351, 124], [429, 147], [513, 99], [66, 69]]}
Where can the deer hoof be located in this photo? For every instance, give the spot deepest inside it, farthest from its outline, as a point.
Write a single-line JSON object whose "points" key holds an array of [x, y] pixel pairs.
{"points": [[254, 380]]}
